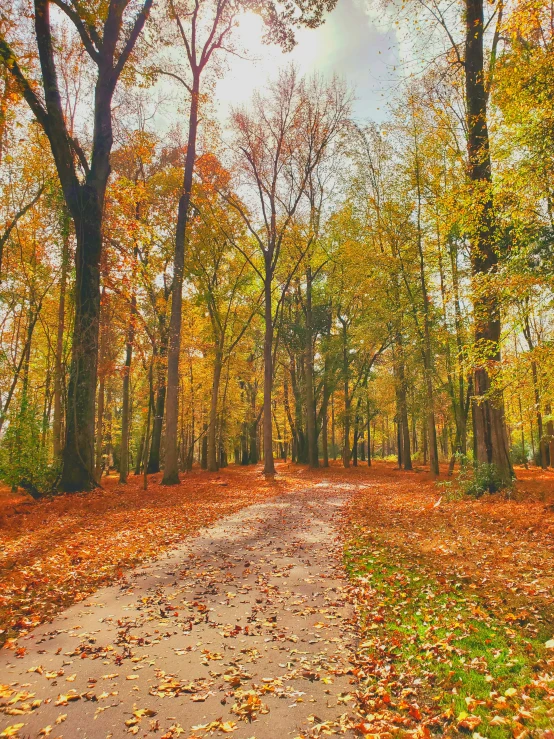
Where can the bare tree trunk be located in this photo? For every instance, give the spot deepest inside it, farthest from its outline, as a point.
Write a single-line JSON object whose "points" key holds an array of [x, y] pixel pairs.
{"points": [[171, 469], [147, 430], [491, 439], [346, 378], [99, 430], [212, 428], [157, 425], [369, 437], [403, 406], [427, 348], [333, 435], [78, 453], [204, 449], [269, 466], [59, 367], [311, 423], [550, 435], [99, 437], [140, 453], [325, 438], [543, 444], [355, 440], [125, 415]]}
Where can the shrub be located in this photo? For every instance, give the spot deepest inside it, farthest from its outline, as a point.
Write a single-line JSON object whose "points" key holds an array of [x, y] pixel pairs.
{"points": [[519, 455], [476, 480], [23, 458]]}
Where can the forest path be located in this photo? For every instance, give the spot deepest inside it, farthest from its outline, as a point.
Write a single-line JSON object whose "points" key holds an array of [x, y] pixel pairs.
{"points": [[248, 619]]}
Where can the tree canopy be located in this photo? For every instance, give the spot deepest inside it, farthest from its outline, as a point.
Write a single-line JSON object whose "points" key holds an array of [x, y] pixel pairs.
{"points": [[290, 282]]}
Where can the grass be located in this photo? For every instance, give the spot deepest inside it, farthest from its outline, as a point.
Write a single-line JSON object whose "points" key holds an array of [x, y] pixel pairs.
{"points": [[464, 660]]}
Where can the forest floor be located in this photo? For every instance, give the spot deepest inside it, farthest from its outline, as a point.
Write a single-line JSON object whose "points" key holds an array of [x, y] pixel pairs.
{"points": [[332, 602]]}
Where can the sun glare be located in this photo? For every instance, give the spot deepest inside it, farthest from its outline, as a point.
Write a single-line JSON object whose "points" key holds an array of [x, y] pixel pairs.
{"points": [[261, 60], [250, 32]]}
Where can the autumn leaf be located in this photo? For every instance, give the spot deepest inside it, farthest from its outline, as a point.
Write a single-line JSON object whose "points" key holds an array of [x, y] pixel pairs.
{"points": [[12, 730]]}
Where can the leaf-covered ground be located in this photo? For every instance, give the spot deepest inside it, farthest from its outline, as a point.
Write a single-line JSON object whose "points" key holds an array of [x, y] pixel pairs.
{"points": [[456, 607], [55, 552], [244, 630], [454, 598]]}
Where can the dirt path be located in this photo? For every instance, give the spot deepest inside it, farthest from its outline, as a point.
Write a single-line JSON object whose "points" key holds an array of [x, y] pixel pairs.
{"points": [[247, 621]]}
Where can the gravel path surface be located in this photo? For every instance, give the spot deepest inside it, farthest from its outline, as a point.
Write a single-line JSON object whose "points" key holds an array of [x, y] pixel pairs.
{"points": [[245, 630]]}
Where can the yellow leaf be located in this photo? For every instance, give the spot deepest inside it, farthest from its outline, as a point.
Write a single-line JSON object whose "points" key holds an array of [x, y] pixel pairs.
{"points": [[144, 712], [12, 730]]}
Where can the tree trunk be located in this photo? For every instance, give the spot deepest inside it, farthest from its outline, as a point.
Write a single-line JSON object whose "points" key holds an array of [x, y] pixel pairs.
{"points": [[550, 435], [78, 454], [32, 322], [462, 407], [99, 430], [245, 459], [369, 451], [324, 410], [399, 440], [140, 453], [157, 426], [253, 456], [204, 450], [333, 429], [59, 368], [212, 429], [269, 467], [99, 438], [431, 427], [403, 406], [427, 350], [345, 374], [543, 444], [147, 430], [325, 438], [125, 415], [355, 441], [108, 413], [491, 439], [171, 469], [311, 425]]}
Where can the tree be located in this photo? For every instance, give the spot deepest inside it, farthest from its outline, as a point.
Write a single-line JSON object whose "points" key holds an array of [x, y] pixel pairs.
{"points": [[277, 147], [205, 28], [109, 43], [491, 439], [224, 283]]}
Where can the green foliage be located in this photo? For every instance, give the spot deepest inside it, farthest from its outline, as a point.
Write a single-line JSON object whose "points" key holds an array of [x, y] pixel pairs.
{"points": [[444, 635], [24, 458], [476, 480], [518, 454]]}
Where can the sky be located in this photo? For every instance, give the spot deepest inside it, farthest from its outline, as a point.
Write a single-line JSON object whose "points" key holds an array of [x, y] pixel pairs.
{"points": [[354, 43]]}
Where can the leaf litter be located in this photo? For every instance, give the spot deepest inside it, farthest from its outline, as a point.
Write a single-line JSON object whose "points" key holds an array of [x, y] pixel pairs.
{"points": [[440, 650]]}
